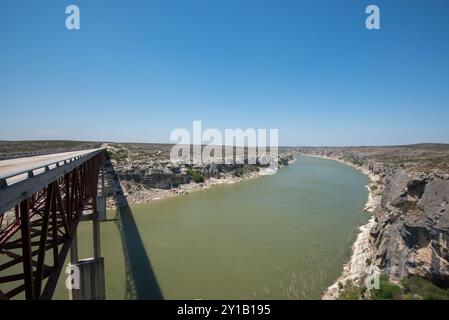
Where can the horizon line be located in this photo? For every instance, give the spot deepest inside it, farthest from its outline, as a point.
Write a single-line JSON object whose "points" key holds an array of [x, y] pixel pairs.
{"points": [[223, 145]]}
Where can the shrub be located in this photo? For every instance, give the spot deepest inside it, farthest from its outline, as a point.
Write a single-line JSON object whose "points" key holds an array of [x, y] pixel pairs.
{"points": [[238, 172], [196, 176], [118, 155], [245, 169], [413, 288], [411, 206], [350, 293], [424, 288], [386, 291]]}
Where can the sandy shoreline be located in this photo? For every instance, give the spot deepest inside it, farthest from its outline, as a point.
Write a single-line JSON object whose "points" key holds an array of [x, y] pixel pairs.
{"points": [[356, 269]]}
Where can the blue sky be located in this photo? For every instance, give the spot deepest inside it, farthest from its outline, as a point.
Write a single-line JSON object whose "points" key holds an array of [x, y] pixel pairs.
{"points": [[138, 69]]}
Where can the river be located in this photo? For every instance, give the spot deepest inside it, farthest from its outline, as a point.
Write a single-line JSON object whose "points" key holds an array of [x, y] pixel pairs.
{"points": [[284, 236]]}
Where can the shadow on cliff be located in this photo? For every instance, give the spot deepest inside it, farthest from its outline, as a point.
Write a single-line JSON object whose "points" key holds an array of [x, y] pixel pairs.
{"points": [[141, 282]]}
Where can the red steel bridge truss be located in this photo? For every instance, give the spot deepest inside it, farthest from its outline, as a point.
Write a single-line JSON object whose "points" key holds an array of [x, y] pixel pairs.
{"points": [[35, 242]]}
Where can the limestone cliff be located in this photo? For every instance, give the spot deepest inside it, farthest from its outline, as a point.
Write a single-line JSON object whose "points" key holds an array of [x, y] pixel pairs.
{"points": [[146, 173]]}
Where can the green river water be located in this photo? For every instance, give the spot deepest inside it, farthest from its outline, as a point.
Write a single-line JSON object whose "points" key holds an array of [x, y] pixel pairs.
{"points": [[274, 237]]}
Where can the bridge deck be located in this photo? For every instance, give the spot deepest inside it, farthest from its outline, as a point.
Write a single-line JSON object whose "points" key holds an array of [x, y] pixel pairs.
{"points": [[13, 167], [19, 178]]}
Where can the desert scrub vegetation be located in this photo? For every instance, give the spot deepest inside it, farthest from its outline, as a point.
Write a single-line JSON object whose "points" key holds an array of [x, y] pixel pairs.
{"points": [[352, 292], [412, 288], [412, 208], [420, 288], [196, 176], [368, 262], [50, 146], [118, 154], [376, 188], [241, 171], [354, 161], [387, 291]]}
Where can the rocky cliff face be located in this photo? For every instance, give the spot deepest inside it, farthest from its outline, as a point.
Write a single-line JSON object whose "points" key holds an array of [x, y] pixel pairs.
{"points": [[166, 175], [411, 233], [146, 173], [152, 176]]}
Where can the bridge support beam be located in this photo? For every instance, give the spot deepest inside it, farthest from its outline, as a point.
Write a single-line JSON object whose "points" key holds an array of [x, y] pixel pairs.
{"points": [[96, 237], [90, 272], [74, 293], [26, 250]]}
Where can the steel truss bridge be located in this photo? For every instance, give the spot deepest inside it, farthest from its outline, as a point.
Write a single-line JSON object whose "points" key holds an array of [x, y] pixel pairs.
{"points": [[42, 201]]}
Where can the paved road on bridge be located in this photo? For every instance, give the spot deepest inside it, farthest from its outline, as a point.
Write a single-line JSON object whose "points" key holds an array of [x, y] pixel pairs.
{"points": [[13, 166]]}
